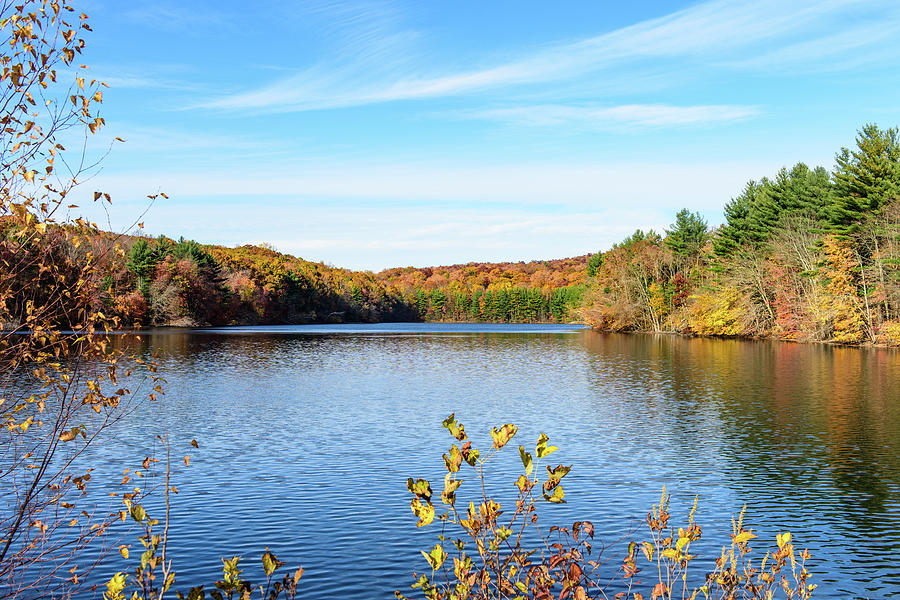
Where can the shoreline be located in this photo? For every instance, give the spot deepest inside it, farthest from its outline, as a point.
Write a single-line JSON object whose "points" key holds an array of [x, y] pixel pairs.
{"points": [[749, 338]]}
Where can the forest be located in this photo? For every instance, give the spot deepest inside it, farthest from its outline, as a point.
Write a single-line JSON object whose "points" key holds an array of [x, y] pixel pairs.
{"points": [[536, 291], [809, 255], [160, 281]]}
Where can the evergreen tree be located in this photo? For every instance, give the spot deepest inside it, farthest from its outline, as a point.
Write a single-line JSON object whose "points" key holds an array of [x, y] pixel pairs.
{"points": [[688, 233], [502, 306], [438, 302], [162, 248], [634, 238], [594, 263], [865, 179], [752, 216], [421, 302], [802, 191], [734, 233], [189, 249], [762, 214], [141, 261]]}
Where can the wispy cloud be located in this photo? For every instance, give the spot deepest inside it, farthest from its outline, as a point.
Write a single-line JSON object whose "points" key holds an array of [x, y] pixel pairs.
{"points": [[128, 81], [365, 43], [176, 16], [159, 76], [184, 141], [710, 34], [374, 239], [399, 186], [837, 51], [614, 117]]}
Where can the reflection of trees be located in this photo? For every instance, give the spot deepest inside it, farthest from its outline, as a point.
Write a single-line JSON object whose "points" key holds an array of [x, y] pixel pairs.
{"points": [[786, 415]]}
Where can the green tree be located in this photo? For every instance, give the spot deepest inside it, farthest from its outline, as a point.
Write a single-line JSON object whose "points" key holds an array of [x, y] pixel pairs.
{"points": [[594, 263], [802, 191], [736, 231], [866, 178], [638, 236], [141, 261], [162, 248], [420, 300], [688, 233], [438, 303], [752, 217], [189, 249]]}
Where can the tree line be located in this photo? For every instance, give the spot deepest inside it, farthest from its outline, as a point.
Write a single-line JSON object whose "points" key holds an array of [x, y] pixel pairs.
{"points": [[518, 292], [809, 255], [162, 281]]}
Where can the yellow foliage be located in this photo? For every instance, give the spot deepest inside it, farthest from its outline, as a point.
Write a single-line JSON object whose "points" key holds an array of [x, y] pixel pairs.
{"points": [[716, 313], [889, 333], [846, 315]]}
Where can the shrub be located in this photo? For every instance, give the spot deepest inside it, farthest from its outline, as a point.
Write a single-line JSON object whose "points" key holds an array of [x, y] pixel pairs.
{"points": [[504, 552]]}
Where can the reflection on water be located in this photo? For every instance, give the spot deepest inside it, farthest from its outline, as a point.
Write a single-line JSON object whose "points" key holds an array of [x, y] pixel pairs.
{"points": [[308, 435]]}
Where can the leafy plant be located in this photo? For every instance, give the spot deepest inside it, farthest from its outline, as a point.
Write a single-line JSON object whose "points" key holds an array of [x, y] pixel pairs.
{"points": [[486, 551], [154, 575], [62, 383]]}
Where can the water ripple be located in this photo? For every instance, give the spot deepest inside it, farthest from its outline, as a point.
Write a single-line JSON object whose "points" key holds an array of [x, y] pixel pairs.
{"points": [[308, 435]]}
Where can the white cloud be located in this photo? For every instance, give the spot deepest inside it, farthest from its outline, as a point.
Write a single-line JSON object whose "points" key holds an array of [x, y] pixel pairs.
{"points": [[573, 185], [374, 238], [841, 50], [162, 14], [381, 68], [615, 117]]}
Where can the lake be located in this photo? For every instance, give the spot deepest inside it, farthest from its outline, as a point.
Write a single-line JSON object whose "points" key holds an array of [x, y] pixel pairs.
{"points": [[308, 433]]}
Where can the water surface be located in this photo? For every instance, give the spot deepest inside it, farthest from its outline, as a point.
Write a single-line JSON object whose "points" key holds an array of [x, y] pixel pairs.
{"points": [[308, 433]]}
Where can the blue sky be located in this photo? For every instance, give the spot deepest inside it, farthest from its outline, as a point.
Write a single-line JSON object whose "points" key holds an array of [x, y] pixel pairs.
{"points": [[376, 134]]}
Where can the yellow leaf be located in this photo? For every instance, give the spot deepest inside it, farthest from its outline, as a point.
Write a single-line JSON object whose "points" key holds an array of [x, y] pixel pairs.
{"points": [[542, 449], [743, 537], [436, 557], [425, 512], [505, 433]]}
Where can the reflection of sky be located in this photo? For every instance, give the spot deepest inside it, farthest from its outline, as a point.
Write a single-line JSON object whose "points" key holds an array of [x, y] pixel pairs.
{"points": [[306, 442]]}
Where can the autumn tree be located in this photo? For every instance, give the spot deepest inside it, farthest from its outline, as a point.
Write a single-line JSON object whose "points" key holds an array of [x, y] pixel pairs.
{"points": [[59, 381]]}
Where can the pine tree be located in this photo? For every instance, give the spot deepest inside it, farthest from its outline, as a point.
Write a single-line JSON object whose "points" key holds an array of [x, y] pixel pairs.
{"points": [[688, 233], [141, 261], [594, 263], [735, 232], [802, 190], [865, 179]]}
